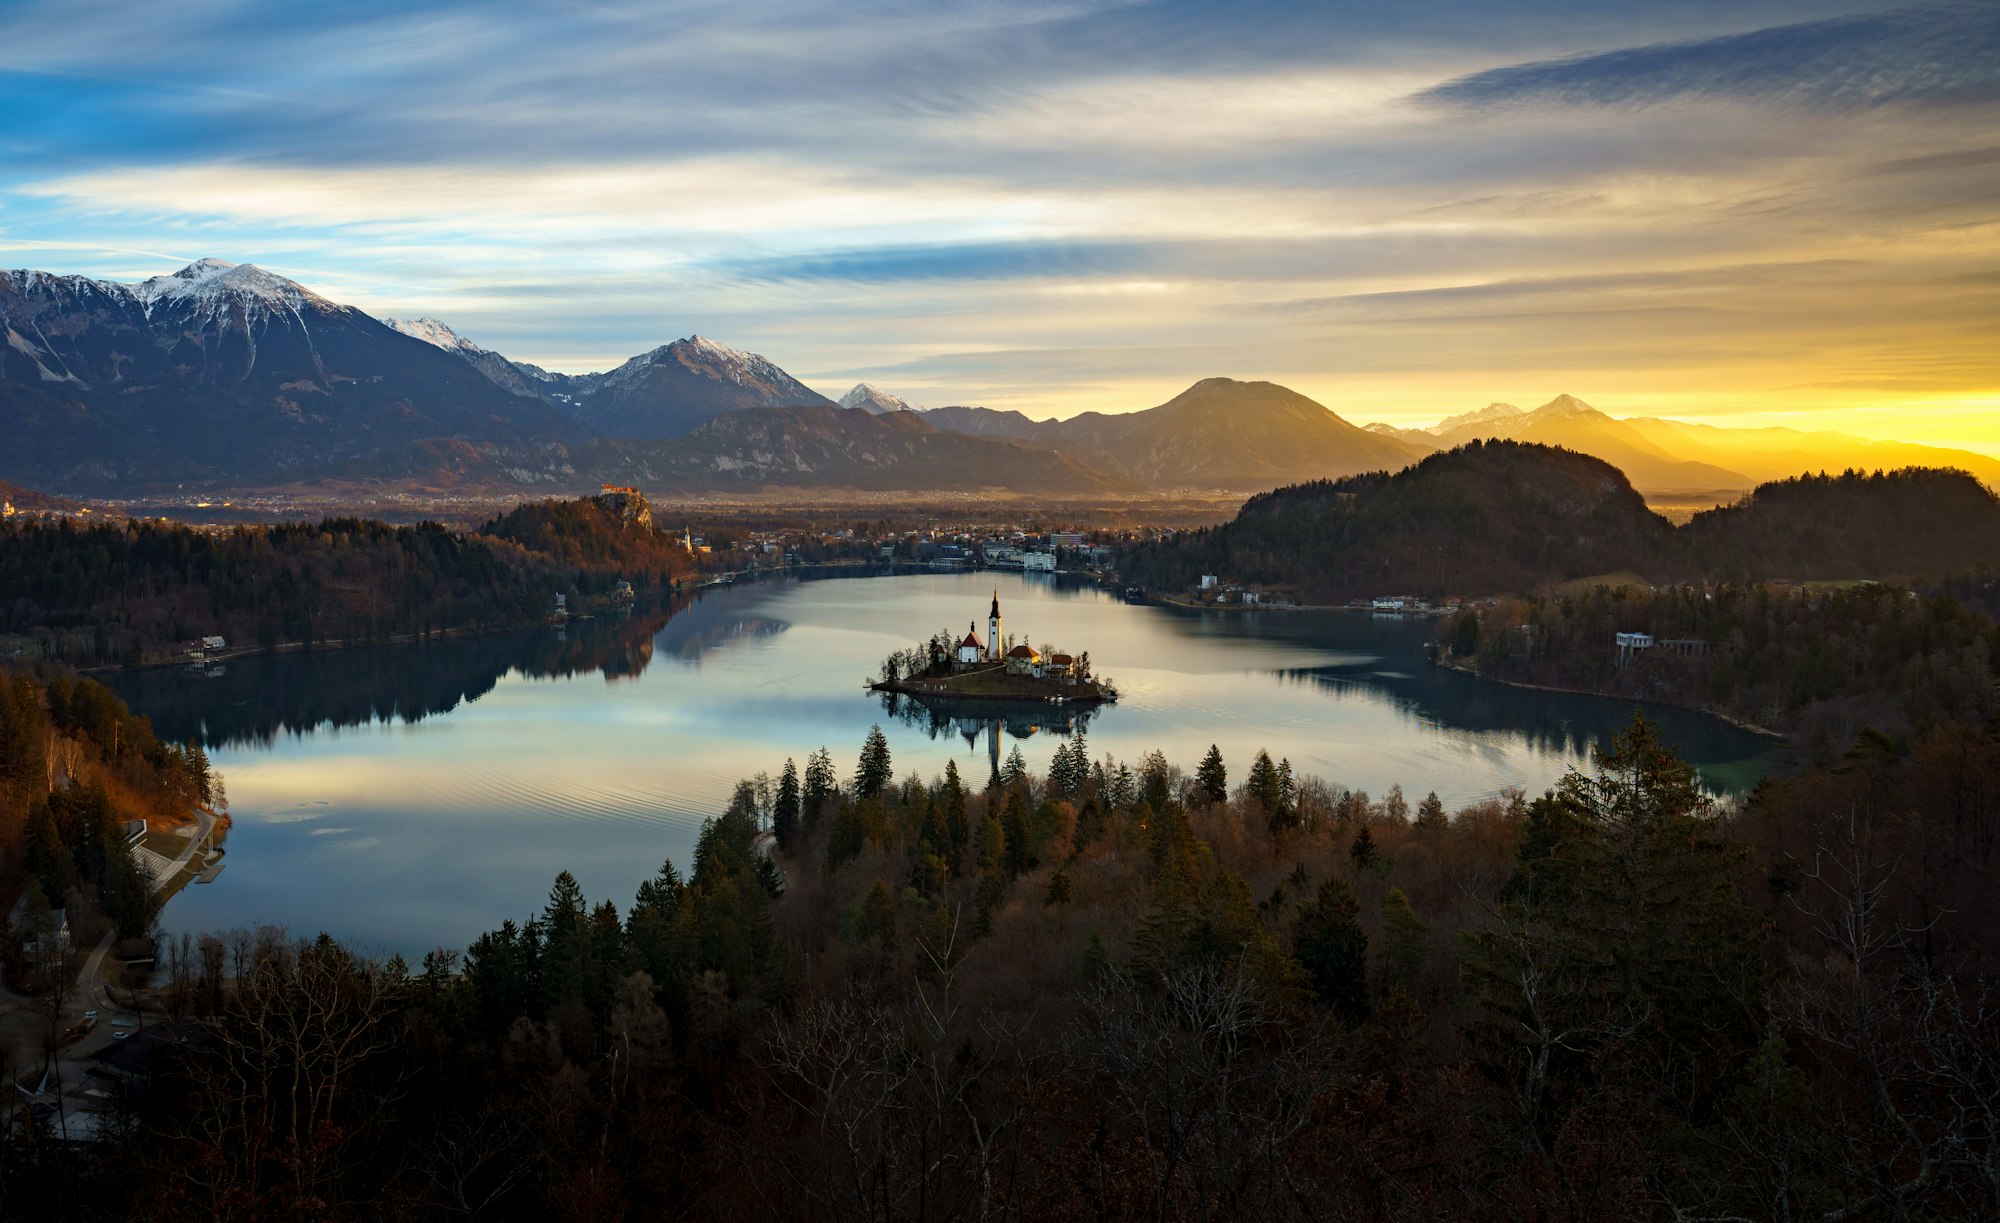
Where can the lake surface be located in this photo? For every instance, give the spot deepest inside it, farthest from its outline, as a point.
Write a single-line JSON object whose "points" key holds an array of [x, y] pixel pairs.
{"points": [[409, 797]]}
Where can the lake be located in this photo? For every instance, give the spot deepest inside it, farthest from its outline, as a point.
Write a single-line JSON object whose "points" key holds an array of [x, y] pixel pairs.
{"points": [[407, 797]]}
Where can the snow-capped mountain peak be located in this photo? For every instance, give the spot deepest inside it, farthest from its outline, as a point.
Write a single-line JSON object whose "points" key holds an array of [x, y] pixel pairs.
{"points": [[1565, 405], [1478, 416], [208, 283], [872, 398], [435, 333]]}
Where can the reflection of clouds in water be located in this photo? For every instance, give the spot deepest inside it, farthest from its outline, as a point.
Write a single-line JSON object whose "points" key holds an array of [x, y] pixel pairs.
{"points": [[296, 813], [328, 832]]}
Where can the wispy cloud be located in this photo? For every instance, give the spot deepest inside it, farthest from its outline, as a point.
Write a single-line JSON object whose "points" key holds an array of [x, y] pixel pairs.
{"points": [[1927, 55], [1068, 204]]}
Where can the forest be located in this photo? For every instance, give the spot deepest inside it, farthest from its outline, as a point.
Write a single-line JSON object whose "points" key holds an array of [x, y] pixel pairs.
{"points": [[1125, 989], [75, 766], [135, 593], [1820, 665], [1513, 518]]}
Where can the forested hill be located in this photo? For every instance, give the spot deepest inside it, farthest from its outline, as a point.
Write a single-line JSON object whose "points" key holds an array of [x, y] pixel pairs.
{"points": [[1917, 522], [75, 765], [132, 593], [1488, 516], [1504, 517]]}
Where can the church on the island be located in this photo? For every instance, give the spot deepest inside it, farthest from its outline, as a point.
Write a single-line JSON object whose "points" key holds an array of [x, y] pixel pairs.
{"points": [[1021, 659], [970, 652]]}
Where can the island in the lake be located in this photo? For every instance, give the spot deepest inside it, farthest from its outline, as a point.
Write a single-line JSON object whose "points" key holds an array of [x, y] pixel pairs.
{"points": [[999, 668]]}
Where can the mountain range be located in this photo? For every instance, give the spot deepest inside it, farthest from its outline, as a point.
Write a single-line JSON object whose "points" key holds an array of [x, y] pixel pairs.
{"points": [[226, 375], [1669, 455]]}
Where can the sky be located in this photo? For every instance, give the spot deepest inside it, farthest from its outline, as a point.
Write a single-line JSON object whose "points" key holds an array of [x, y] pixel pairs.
{"points": [[1742, 213]]}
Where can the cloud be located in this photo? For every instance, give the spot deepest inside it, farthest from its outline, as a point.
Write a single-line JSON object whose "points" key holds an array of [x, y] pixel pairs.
{"points": [[1919, 55]]}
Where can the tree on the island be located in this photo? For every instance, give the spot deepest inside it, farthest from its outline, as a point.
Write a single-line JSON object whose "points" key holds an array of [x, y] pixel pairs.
{"points": [[1212, 776], [1430, 813], [785, 810], [871, 774], [1330, 945]]}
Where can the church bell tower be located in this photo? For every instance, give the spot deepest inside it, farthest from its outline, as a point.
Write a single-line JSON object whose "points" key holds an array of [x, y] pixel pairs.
{"points": [[993, 629]]}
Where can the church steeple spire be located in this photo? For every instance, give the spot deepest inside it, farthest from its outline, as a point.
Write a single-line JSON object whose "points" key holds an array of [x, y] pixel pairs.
{"points": [[993, 629]]}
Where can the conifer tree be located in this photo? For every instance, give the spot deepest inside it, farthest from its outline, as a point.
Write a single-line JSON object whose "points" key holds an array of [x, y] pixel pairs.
{"points": [[1265, 786], [1212, 776], [1430, 813], [872, 773], [1362, 850], [785, 811], [820, 786], [1330, 945], [958, 830]]}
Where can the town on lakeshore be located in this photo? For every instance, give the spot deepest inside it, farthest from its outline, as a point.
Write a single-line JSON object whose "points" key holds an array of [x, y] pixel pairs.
{"points": [[998, 668]]}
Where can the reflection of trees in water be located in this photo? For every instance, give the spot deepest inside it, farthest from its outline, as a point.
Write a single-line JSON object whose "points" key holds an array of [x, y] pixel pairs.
{"points": [[255, 699], [1559, 722], [938, 717], [692, 635]]}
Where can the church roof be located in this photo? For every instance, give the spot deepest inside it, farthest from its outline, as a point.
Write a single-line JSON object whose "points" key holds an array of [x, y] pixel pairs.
{"points": [[1024, 650], [971, 639]]}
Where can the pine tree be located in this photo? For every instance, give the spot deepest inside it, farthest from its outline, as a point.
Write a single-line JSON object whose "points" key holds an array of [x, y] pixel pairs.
{"points": [[1330, 945], [1015, 770], [821, 786], [1212, 776], [785, 811], [877, 920], [1362, 850], [1430, 813], [958, 830], [1265, 787], [872, 773], [1124, 788]]}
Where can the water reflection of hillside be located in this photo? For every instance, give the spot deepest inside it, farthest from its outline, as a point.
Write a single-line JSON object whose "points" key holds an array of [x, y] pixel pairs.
{"points": [[254, 700], [1556, 722]]}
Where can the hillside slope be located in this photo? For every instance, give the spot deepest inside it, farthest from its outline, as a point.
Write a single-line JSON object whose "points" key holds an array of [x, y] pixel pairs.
{"points": [[1906, 524], [1486, 517]]}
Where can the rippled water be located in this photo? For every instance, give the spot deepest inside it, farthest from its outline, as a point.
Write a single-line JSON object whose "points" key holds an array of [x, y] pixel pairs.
{"points": [[410, 797]]}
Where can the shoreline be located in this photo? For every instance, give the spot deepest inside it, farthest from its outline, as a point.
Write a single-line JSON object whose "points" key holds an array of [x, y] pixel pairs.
{"points": [[1738, 723], [1021, 698]]}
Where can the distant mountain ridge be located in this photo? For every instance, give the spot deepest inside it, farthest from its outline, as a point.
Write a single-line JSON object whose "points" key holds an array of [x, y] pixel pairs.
{"points": [[1665, 455], [817, 446], [1218, 434]]}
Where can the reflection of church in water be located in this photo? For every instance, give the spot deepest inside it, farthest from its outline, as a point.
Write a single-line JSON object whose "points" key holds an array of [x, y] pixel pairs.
{"points": [[972, 719]]}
